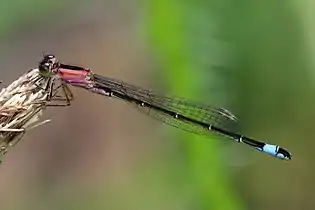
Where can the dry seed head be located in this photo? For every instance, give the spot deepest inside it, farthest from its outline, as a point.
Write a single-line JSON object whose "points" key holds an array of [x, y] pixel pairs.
{"points": [[21, 105]]}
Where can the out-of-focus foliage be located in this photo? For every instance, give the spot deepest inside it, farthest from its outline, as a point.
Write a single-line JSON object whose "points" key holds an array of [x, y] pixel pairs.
{"points": [[257, 57], [184, 36], [21, 13]]}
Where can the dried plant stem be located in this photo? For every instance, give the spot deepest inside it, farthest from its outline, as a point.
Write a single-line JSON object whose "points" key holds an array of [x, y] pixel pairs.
{"points": [[21, 105]]}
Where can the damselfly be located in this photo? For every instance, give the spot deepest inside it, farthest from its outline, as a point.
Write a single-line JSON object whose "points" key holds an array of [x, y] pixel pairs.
{"points": [[53, 89], [180, 113]]}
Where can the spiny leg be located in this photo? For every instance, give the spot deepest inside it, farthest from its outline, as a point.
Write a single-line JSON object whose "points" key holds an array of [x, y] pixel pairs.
{"points": [[52, 94], [67, 98]]}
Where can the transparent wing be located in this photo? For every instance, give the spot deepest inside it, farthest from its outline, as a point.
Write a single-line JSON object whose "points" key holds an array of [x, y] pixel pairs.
{"points": [[155, 104]]}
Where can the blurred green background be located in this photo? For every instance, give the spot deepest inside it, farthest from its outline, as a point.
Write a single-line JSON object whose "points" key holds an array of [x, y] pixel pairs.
{"points": [[252, 57]]}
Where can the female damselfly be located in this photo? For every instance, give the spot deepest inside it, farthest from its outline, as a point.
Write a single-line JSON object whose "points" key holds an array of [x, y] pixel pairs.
{"points": [[177, 112], [46, 70]]}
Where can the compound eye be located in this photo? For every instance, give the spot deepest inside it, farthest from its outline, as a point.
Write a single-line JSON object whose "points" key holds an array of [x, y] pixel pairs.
{"points": [[47, 66]]}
